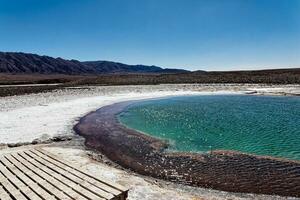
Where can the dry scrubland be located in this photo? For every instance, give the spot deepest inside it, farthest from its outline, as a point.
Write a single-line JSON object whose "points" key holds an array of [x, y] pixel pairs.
{"points": [[277, 77]]}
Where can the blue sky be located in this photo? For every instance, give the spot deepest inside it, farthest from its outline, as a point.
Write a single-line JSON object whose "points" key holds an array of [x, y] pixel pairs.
{"points": [[190, 34]]}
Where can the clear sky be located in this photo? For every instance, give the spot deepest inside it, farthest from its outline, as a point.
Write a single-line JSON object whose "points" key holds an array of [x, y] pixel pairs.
{"points": [[190, 34]]}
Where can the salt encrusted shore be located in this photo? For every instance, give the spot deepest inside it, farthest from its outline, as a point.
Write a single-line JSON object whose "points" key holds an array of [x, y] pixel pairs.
{"points": [[45, 115], [224, 170]]}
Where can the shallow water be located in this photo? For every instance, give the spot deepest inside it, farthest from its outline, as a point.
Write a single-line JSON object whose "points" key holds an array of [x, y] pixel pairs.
{"points": [[263, 125]]}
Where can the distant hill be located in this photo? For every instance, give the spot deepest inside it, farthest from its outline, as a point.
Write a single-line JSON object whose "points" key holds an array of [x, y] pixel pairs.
{"points": [[32, 67], [26, 63], [105, 67]]}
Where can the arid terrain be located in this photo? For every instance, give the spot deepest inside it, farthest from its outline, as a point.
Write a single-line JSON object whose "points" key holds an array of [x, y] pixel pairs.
{"points": [[61, 108]]}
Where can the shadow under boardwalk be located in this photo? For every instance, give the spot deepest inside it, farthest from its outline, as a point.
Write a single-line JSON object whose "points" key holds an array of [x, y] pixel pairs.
{"points": [[38, 175]]}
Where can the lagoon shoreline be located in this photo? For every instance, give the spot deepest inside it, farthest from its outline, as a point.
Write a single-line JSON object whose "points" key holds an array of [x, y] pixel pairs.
{"points": [[41, 116], [223, 170]]}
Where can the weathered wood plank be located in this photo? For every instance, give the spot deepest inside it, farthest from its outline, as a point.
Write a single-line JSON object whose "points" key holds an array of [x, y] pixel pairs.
{"points": [[39, 175], [68, 179], [71, 177], [82, 191], [34, 186], [11, 189], [77, 168], [4, 195], [19, 184], [40, 178], [77, 173], [106, 184]]}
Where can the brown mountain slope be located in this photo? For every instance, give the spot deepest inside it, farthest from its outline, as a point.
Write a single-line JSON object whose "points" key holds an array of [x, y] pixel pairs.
{"points": [[25, 63]]}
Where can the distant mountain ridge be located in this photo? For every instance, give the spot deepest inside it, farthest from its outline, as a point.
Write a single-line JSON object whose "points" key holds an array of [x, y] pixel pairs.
{"points": [[27, 63]]}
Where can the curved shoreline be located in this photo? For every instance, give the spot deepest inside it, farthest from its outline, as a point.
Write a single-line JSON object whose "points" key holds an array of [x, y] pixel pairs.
{"points": [[223, 170], [44, 115]]}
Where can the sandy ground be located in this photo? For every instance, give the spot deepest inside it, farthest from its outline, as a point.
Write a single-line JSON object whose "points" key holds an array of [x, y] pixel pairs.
{"points": [[27, 117]]}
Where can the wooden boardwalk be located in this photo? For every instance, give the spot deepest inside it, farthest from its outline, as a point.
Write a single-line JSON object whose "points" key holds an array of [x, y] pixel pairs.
{"points": [[38, 175]]}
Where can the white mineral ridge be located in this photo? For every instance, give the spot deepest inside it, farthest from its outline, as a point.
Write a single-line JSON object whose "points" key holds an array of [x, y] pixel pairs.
{"points": [[46, 120]]}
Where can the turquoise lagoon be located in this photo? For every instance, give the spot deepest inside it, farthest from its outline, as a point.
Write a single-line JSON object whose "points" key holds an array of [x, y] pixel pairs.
{"points": [[262, 125]]}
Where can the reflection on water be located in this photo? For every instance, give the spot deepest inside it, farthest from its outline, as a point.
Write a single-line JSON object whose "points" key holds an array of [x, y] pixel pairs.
{"points": [[264, 125]]}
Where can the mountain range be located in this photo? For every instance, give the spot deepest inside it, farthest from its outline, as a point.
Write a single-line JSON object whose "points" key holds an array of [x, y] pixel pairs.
{"points": [[27, 63]]}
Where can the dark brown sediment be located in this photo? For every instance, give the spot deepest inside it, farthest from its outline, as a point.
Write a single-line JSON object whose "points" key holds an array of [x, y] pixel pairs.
{"points": [[223, 170]]}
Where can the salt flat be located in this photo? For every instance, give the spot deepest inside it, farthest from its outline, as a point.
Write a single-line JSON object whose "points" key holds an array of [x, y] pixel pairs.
{"points": [[27, 117], [43, 115]]}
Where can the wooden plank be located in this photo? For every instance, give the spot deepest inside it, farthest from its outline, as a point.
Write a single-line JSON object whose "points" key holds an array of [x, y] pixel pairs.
{"points": [[32, 171], [77, 173], [77, 168], [19, 184], [39, 175], [34, 186], [119, 191], [67, 178], [75, 186], [4, 195], [11, 189], [70, 176], [105, 184], [59, 189]]}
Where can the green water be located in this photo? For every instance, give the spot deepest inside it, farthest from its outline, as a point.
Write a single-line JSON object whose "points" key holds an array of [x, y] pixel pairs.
{"points": [[263, 125]]}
